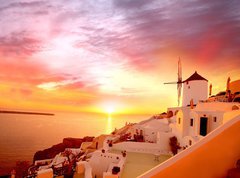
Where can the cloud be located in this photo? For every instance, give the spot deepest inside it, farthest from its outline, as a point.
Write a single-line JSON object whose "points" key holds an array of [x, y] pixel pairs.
{"points": [[184, 24], [26, 92], [137, 29], [131, 91], [97, 46], [133, 4], [25, 72], [24, 4], [19, 44], [67, 84]]}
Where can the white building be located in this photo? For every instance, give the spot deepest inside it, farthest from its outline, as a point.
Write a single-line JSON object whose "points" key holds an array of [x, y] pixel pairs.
{"points": [[104, 162], [194, 88], [193, 124], [151, 129]]}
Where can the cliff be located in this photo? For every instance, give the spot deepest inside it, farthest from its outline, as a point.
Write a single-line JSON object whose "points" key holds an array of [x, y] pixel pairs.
{"points": [[55, 149]]}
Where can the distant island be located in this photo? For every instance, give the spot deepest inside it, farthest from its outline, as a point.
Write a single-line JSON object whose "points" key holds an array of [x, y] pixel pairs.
{"points": [[25, 112]]}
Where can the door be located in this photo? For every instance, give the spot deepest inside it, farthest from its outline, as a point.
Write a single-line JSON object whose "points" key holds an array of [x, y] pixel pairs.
{"points": [[203, 126]]}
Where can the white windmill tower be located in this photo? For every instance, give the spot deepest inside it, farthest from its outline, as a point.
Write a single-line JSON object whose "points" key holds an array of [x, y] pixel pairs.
{"points": [[195, 87]]}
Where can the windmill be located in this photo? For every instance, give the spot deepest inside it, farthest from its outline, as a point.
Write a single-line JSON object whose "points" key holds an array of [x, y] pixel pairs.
{"points": [[179, 81]]}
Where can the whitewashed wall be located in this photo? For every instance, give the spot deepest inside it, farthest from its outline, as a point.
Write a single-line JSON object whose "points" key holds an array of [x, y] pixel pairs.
{"points": [[100, 162], [196, 90], [141, 147]]}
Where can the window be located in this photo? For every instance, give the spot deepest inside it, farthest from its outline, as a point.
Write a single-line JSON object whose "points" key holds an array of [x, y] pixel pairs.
{"points": [[215, 119], [190, 142], [179, 120], [191, 122]]}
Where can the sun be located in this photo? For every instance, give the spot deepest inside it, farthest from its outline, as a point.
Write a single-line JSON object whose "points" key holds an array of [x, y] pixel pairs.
{"points": [[110, 109]]}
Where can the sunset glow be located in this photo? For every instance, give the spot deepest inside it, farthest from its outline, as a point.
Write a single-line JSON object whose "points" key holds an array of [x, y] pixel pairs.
{"points": [[79, 55], [110, 110]]}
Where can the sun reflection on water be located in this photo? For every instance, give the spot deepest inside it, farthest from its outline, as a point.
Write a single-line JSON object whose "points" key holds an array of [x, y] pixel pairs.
{"points": [[109, 128]]}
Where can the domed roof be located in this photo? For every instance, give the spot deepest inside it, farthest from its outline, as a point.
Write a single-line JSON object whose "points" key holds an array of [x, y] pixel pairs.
{"points": [[195, 76]]}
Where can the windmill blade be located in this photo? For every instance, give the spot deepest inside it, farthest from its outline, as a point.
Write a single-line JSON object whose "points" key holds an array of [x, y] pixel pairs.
{"points": [[179, 86], [179, 82], [170, 83], [179, 70]]}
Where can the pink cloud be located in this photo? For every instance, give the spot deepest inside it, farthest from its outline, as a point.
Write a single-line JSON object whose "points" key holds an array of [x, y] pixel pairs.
{"points": [[21, 91], [26, 92]]}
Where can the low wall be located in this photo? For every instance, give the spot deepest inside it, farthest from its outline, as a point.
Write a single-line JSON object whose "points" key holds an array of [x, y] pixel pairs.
{"points": [[141, 147], [47, 173], [100, 162], [211, 157], [83, 168], [229, 115]]}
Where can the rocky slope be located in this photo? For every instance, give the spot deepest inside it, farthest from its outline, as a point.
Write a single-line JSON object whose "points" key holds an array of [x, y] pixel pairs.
{"points": [[55, 149]]}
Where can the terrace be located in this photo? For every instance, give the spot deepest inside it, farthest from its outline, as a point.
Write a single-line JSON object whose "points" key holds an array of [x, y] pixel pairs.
{"points": [[138, 163]]}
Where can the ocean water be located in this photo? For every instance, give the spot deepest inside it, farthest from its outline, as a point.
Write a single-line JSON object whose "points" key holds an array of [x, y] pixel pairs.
{"points": [[22, 135]]}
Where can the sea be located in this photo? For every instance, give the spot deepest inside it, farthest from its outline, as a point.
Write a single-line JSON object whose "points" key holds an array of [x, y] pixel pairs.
{"points": [[21, 135]]}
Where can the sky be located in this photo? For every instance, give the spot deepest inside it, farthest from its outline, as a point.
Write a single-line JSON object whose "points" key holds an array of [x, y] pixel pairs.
{"points": [[101, 55]]}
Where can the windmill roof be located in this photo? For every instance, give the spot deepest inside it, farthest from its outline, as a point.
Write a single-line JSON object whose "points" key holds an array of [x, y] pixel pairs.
{"points": [[195, 76]]}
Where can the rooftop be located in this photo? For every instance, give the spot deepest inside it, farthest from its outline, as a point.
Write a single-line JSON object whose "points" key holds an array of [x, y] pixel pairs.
{"points": [[195, 76], [134, 166]]}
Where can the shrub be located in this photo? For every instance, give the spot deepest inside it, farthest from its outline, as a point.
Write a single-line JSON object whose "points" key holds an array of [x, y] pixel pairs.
{"points": [[174, 145], [22, 168]]}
